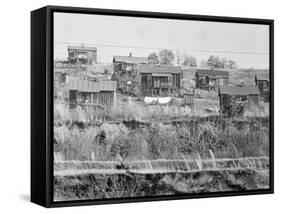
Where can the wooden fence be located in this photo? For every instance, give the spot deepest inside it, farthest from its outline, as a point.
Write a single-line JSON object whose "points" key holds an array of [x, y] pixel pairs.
{"points": [[160, 166]]}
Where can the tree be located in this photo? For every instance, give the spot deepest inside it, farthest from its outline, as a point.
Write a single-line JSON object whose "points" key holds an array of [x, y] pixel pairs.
{"points": [[189, 61], [203, 63], [217, 62], [222, 63], [153, 58], [213, 61], [231, 64], [166, 56]]}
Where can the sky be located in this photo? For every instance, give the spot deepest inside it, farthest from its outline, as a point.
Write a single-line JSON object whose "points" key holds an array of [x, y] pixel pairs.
{"points": [[247, 44]]}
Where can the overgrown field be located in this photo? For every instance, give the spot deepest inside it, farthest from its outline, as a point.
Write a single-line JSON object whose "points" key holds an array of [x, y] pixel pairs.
{"points": [[132, 131], [133, 140], [186, 138]]}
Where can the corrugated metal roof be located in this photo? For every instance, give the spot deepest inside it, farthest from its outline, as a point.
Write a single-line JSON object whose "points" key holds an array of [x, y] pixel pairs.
{"points": [[84, 48], [212, 73], [130, 59], [262, 76], [158, 69], [239, 90], [91, 86]]}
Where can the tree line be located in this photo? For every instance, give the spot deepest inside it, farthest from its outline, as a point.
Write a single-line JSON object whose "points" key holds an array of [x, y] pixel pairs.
{"points": [[167, 57]]}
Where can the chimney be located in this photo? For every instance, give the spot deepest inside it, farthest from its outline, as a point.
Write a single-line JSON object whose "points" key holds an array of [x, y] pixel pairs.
{"points": [[130, 54]]}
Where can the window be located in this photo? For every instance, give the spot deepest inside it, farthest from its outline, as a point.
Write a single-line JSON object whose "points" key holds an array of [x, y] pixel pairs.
{"points": [[204, 80], [174, 80], [265, 88], [164, 79], [128, 68], [149, 80], [241, 98], [212, 82], [156, 82], [71, 54], [220, 81], [144, 80]]}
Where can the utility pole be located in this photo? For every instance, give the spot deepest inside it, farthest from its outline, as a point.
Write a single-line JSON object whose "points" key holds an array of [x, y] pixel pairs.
{"points": [[178, 57]]}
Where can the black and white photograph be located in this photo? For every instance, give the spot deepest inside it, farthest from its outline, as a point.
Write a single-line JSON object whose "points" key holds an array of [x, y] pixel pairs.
{"points": [[149, 107]]}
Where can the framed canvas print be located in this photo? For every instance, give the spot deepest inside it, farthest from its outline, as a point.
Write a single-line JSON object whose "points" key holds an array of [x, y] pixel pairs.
{"points": [[134, 106]]}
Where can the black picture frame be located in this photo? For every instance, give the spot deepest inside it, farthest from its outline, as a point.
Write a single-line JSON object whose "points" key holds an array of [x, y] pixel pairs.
{"points": [[42, 103]]}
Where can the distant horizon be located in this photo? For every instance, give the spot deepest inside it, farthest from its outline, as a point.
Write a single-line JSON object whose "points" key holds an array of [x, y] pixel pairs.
{"points": [[183, 66], [246, 44]]}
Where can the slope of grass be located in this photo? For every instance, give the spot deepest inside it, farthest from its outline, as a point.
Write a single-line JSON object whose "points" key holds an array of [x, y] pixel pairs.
{"points": [[153, 141]]}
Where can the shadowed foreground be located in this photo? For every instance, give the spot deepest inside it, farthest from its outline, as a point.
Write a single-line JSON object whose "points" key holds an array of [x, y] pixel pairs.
{"points": [[99, 186]]}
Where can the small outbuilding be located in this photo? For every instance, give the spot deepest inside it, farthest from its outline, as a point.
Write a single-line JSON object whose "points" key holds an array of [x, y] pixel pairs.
{"points": [[237, 97], [262, 82], [101, 93], [188, 99], [209, 79]]}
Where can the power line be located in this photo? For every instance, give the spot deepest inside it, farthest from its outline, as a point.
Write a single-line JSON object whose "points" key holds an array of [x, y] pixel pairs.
{"points": [[158, 48], [110, 57]]}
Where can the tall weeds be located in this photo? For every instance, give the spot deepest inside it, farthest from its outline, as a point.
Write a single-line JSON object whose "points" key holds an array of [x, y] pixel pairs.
{"points": [[159, 141]]}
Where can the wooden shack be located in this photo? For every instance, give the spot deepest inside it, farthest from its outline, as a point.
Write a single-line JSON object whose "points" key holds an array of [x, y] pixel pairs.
{"points": [[159, 80], [188, 99], [187, 77], [82, 92], [237, 97], [126, 73], [82, 54], [61, 76], [210, 79], [262, 82]]}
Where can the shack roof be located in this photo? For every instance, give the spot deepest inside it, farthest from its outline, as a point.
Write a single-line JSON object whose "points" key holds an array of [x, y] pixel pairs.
{"points": [[81, 48], [60, 70], [212, 73], [239, 90], [262, 76], [160, 69], [91, 86], [187, 72], [130, 59]]}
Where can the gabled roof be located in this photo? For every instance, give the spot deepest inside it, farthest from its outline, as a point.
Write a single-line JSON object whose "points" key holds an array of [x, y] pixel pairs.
{"points": [[212, 73], [83, 48], [262, 76], [239, 90], [160, 69], [130, 59], [91, 86]]}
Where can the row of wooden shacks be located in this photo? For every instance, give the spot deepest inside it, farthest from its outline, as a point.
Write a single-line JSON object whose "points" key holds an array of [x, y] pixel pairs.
{"points": [[135, 76]]}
